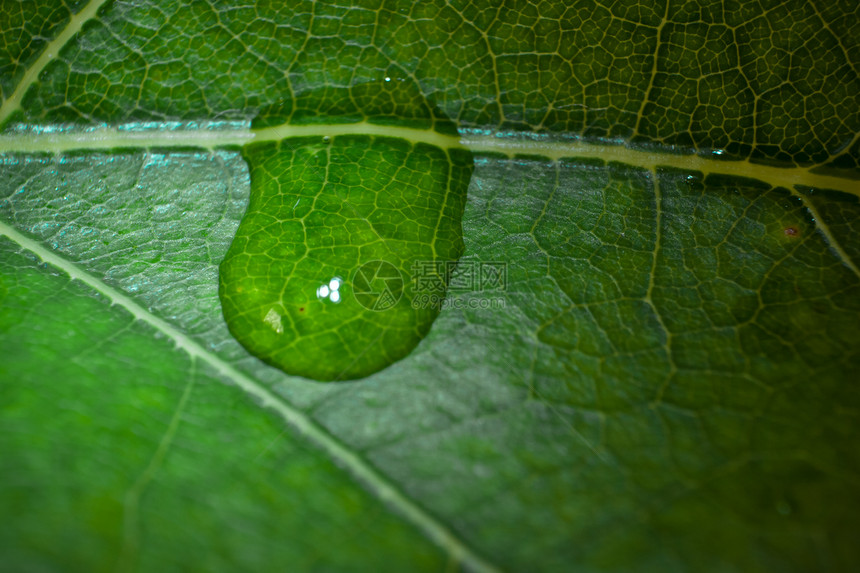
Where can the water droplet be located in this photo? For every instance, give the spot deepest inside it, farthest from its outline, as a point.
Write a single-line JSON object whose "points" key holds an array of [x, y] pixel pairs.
{"points": [[387, 79], [334, 294]]}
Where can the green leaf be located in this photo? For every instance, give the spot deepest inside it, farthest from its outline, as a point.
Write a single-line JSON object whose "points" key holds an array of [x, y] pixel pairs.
{"points": [[663, 380]]}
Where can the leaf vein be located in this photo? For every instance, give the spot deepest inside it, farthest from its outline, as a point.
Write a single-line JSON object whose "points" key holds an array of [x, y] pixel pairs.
{"points": [[52, 48], [360, 469]]}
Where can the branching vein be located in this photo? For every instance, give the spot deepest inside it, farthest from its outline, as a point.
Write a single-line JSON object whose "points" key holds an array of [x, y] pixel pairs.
{"points": [[112, 138], [379, 485], [51, 50]]}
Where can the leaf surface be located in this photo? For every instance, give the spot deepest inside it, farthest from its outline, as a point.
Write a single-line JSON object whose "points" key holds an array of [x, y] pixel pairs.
{"points": [[664, 382]]}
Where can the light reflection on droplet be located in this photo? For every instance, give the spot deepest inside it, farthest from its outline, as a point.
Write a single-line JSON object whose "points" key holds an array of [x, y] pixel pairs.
{"points": [[330, 290]]}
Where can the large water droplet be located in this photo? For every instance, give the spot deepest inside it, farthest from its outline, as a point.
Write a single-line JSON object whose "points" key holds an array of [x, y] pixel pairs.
{"points": [[320, 280]]}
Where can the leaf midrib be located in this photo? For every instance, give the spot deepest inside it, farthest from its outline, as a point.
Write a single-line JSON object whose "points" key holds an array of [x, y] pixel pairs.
{"points": [[112, 138], [381, 487], [137, 136], [131, 137], [525, 144]]}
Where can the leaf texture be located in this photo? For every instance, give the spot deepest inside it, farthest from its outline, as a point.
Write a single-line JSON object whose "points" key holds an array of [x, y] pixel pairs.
{"points": [[664, 381]]}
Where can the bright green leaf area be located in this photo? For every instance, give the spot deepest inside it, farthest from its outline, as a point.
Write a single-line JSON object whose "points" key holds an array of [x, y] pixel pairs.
{"points": [[160, 466], [304, 284], [663, 382]]}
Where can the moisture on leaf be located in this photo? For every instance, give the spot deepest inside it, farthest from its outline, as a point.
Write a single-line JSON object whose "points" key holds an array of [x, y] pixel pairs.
{"points": [[318, 279], [663, 381]]}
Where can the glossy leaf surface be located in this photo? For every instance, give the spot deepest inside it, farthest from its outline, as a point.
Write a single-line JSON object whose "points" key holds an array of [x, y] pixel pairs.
{"points": [[663, 381]]}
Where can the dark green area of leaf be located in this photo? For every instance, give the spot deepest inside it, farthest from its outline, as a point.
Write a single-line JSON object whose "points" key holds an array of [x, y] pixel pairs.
{"points": [[720, 418], [25, 30], [771, 81]]}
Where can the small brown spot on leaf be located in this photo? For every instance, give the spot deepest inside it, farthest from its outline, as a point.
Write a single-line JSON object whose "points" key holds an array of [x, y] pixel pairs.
{"points": [[791, 231]]}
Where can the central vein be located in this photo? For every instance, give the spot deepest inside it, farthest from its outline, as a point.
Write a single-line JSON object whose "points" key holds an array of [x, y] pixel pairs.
{"points": [[511, 146]]}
